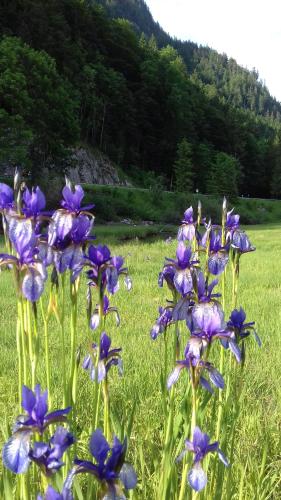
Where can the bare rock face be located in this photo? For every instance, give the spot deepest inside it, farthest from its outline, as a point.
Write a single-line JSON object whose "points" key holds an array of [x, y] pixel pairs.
{"points": [[91, 168]]}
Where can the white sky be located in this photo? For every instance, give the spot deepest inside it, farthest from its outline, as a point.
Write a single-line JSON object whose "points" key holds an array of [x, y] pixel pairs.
{"points": [[247, 30]]}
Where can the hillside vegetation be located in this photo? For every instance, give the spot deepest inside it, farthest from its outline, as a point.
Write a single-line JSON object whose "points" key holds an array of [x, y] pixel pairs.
{"points": [[71, 74]]}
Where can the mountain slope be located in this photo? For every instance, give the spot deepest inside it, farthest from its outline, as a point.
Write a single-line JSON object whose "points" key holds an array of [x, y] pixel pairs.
{"points": [[218, 74], [70, 74]]}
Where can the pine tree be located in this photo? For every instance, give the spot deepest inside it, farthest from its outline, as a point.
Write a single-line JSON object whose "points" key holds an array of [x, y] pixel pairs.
{"points": [[224, 175], [183, 167]]}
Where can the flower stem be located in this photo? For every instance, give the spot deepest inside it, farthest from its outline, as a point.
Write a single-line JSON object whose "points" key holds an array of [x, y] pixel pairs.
{"points": [[47, 358], [106, 424], [63, 340], [23, 344], [192, 427], [235, 278], [20, 360], [73, 328]]}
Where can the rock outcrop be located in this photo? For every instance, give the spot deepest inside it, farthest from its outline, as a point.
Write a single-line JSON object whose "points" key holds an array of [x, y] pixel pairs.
{"points": [[92, 168]]}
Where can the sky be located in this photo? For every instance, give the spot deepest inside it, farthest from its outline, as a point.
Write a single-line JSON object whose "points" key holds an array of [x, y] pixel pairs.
{"points": [[247, 30]]}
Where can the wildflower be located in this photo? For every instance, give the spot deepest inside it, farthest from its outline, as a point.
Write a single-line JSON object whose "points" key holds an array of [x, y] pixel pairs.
{"points": [[196, 366], [241, 243], [205, 291], [48, 456], [242, 329], [110, 468], [164, 320], [218, 257], [167, 275], [6, 197], [200, 447], [182, 264], [208, 324], [232, 222], [34, 202], [52, 494], [32, 273], [36, 405], [187, 229], [16, 450], [105, 269], [106, 309], [72, 199], [63, 221], [107, 358]]}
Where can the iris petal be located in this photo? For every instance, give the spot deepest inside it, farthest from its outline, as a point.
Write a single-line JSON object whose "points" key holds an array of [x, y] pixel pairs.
{"points": [[217, 262], [15, 452], [32, 285], [128, 476], [99, 447], [216, 378], [183, 281], [197, 478], [223, 458], [174, 376]]}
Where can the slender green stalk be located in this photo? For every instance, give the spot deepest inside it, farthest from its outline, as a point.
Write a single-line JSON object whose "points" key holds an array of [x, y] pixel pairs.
{"points": [[165, 468], [192, 427], [235, 279], [106, 400], [62, 318], [47, 358], [20, 361], [23, 342], [73, 331]]}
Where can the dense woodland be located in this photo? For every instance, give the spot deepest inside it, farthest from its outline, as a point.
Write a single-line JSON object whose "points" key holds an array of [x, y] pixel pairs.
{"points": [[72, 73]]}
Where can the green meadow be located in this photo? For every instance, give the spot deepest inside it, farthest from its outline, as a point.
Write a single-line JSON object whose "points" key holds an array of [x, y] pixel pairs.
{"points": [[256, 462]]}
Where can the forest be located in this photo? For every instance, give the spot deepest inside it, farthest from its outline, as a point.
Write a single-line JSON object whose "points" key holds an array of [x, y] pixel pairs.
{"points": [[77, 72]]}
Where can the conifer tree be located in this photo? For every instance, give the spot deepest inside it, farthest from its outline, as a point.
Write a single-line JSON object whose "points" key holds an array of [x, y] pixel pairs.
{"points": [[183, 168]]}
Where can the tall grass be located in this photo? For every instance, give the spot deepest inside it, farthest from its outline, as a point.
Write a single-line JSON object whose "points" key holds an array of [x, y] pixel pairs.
{"points": [[256, 462]]}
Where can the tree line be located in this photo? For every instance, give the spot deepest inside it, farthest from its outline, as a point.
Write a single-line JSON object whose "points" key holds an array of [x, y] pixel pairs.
{"points": [[69, 74]]}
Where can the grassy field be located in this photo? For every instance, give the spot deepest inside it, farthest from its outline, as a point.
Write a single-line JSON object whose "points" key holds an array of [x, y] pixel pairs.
{"points": [[259, 427]]}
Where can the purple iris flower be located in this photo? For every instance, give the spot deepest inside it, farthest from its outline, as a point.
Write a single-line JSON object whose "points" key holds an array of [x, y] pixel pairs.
{"points": [[64, 221], [232, 221], [106, 309], [72, 199], [205, 291], [200, 446], [16, 450], [105, 269], [242, 329], [196, 366], [99, 255], [107, 358], [33, 274], [183, 264], [52, 494], [36, 406], [187, 229], [218, 258], [208, 324], [67, 252], [69, 258], [241, 243], [81, 229], [168, 275], [6, 197], [164, 320], [110, 466], [48, 456], [34, 202]]}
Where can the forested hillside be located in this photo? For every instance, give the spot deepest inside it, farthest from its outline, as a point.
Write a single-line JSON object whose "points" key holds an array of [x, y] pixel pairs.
{"points": [[219, 74], [71, 74]]}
